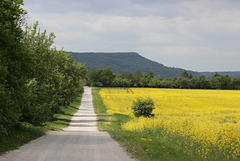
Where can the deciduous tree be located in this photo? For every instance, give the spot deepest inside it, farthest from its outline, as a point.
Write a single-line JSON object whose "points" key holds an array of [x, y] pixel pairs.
{"points": [[15, 64]]}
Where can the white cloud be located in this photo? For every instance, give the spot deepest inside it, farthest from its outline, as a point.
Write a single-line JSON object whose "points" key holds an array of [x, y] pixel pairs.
{"points": [[186, 33]]}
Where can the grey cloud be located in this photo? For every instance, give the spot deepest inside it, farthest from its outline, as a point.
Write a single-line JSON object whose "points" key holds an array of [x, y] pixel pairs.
{"points": [[193, 34], [163, 8]]}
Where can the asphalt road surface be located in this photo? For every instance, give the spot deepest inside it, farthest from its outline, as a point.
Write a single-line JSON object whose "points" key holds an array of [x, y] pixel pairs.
{"points": [[81, 141]]}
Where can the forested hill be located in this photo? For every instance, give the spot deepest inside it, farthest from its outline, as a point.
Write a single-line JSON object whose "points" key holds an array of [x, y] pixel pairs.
{"points": [[209, 75], [129, 62]]}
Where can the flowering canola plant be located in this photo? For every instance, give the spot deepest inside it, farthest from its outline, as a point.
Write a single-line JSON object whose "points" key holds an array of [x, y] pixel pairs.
{"points": [[208, 120]]}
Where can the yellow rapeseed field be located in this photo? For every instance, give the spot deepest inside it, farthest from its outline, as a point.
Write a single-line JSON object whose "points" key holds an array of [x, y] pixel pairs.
{"points": [[208, 120]]}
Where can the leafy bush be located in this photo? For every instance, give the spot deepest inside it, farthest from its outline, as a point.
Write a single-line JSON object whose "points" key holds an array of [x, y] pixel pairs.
{"points": [[143, 107], [36, 80], [15, 65]]}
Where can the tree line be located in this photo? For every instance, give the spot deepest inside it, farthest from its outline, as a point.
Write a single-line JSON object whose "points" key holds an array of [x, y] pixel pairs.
{"points": [[36, 80], [105, 78]]}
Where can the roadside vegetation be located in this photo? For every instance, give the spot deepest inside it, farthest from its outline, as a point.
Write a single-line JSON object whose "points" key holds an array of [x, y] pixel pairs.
{"points": [[37, 81], [188, 124], [62, 119], [24, 132]]}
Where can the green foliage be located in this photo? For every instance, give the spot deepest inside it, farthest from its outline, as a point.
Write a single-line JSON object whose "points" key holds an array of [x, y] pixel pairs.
{"points": [[106, 77], [139, 79], [61, 120], [183, 83], [36, 80], [143, 107], [155, 82], [16, 65], [235, 83], [57, 79], [100, 77], [23, 134], [121, 82], [215, 81], [93, 78], [136, 80], [221, 82], [202, 83]]}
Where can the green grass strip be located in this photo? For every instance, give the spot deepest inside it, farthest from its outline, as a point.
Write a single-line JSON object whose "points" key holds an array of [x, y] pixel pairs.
{"points": [[21, 135], [26, 132], [62, 119]]}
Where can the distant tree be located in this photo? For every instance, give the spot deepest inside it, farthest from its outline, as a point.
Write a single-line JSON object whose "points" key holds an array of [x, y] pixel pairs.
{"points": [[215, 81], [100, 77], [93, 78], [235, 83], [183, 83], [120, 82], [225, 82], [127, 76], [202, 83], [150, 76], [136, 79], [143, 81], [193, 83], [155, 82], [124, 75], [169, 83], [106, 77]]}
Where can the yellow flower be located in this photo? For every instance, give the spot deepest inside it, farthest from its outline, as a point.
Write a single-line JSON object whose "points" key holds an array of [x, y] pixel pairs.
{"points": [[210, 118]]}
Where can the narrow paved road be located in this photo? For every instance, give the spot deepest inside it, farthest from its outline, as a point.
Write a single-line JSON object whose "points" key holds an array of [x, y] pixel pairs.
{"points": [[81, 141]]}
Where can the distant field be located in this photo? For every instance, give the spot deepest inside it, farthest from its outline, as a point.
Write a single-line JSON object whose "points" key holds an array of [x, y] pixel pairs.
{"points": [[208, 120]]}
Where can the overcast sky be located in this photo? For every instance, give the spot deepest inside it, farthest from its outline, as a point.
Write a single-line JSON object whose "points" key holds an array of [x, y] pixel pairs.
{"points": [[199, 35]]}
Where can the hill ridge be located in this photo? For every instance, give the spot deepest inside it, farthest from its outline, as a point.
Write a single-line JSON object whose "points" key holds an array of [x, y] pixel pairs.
{"points": [[130, 62], [126, 61]]}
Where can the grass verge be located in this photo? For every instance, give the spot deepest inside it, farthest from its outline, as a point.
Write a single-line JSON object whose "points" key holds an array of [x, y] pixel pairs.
{"points": [[104, 119], [62, 120], [145, 145], [22, 134], [26, 132]]}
